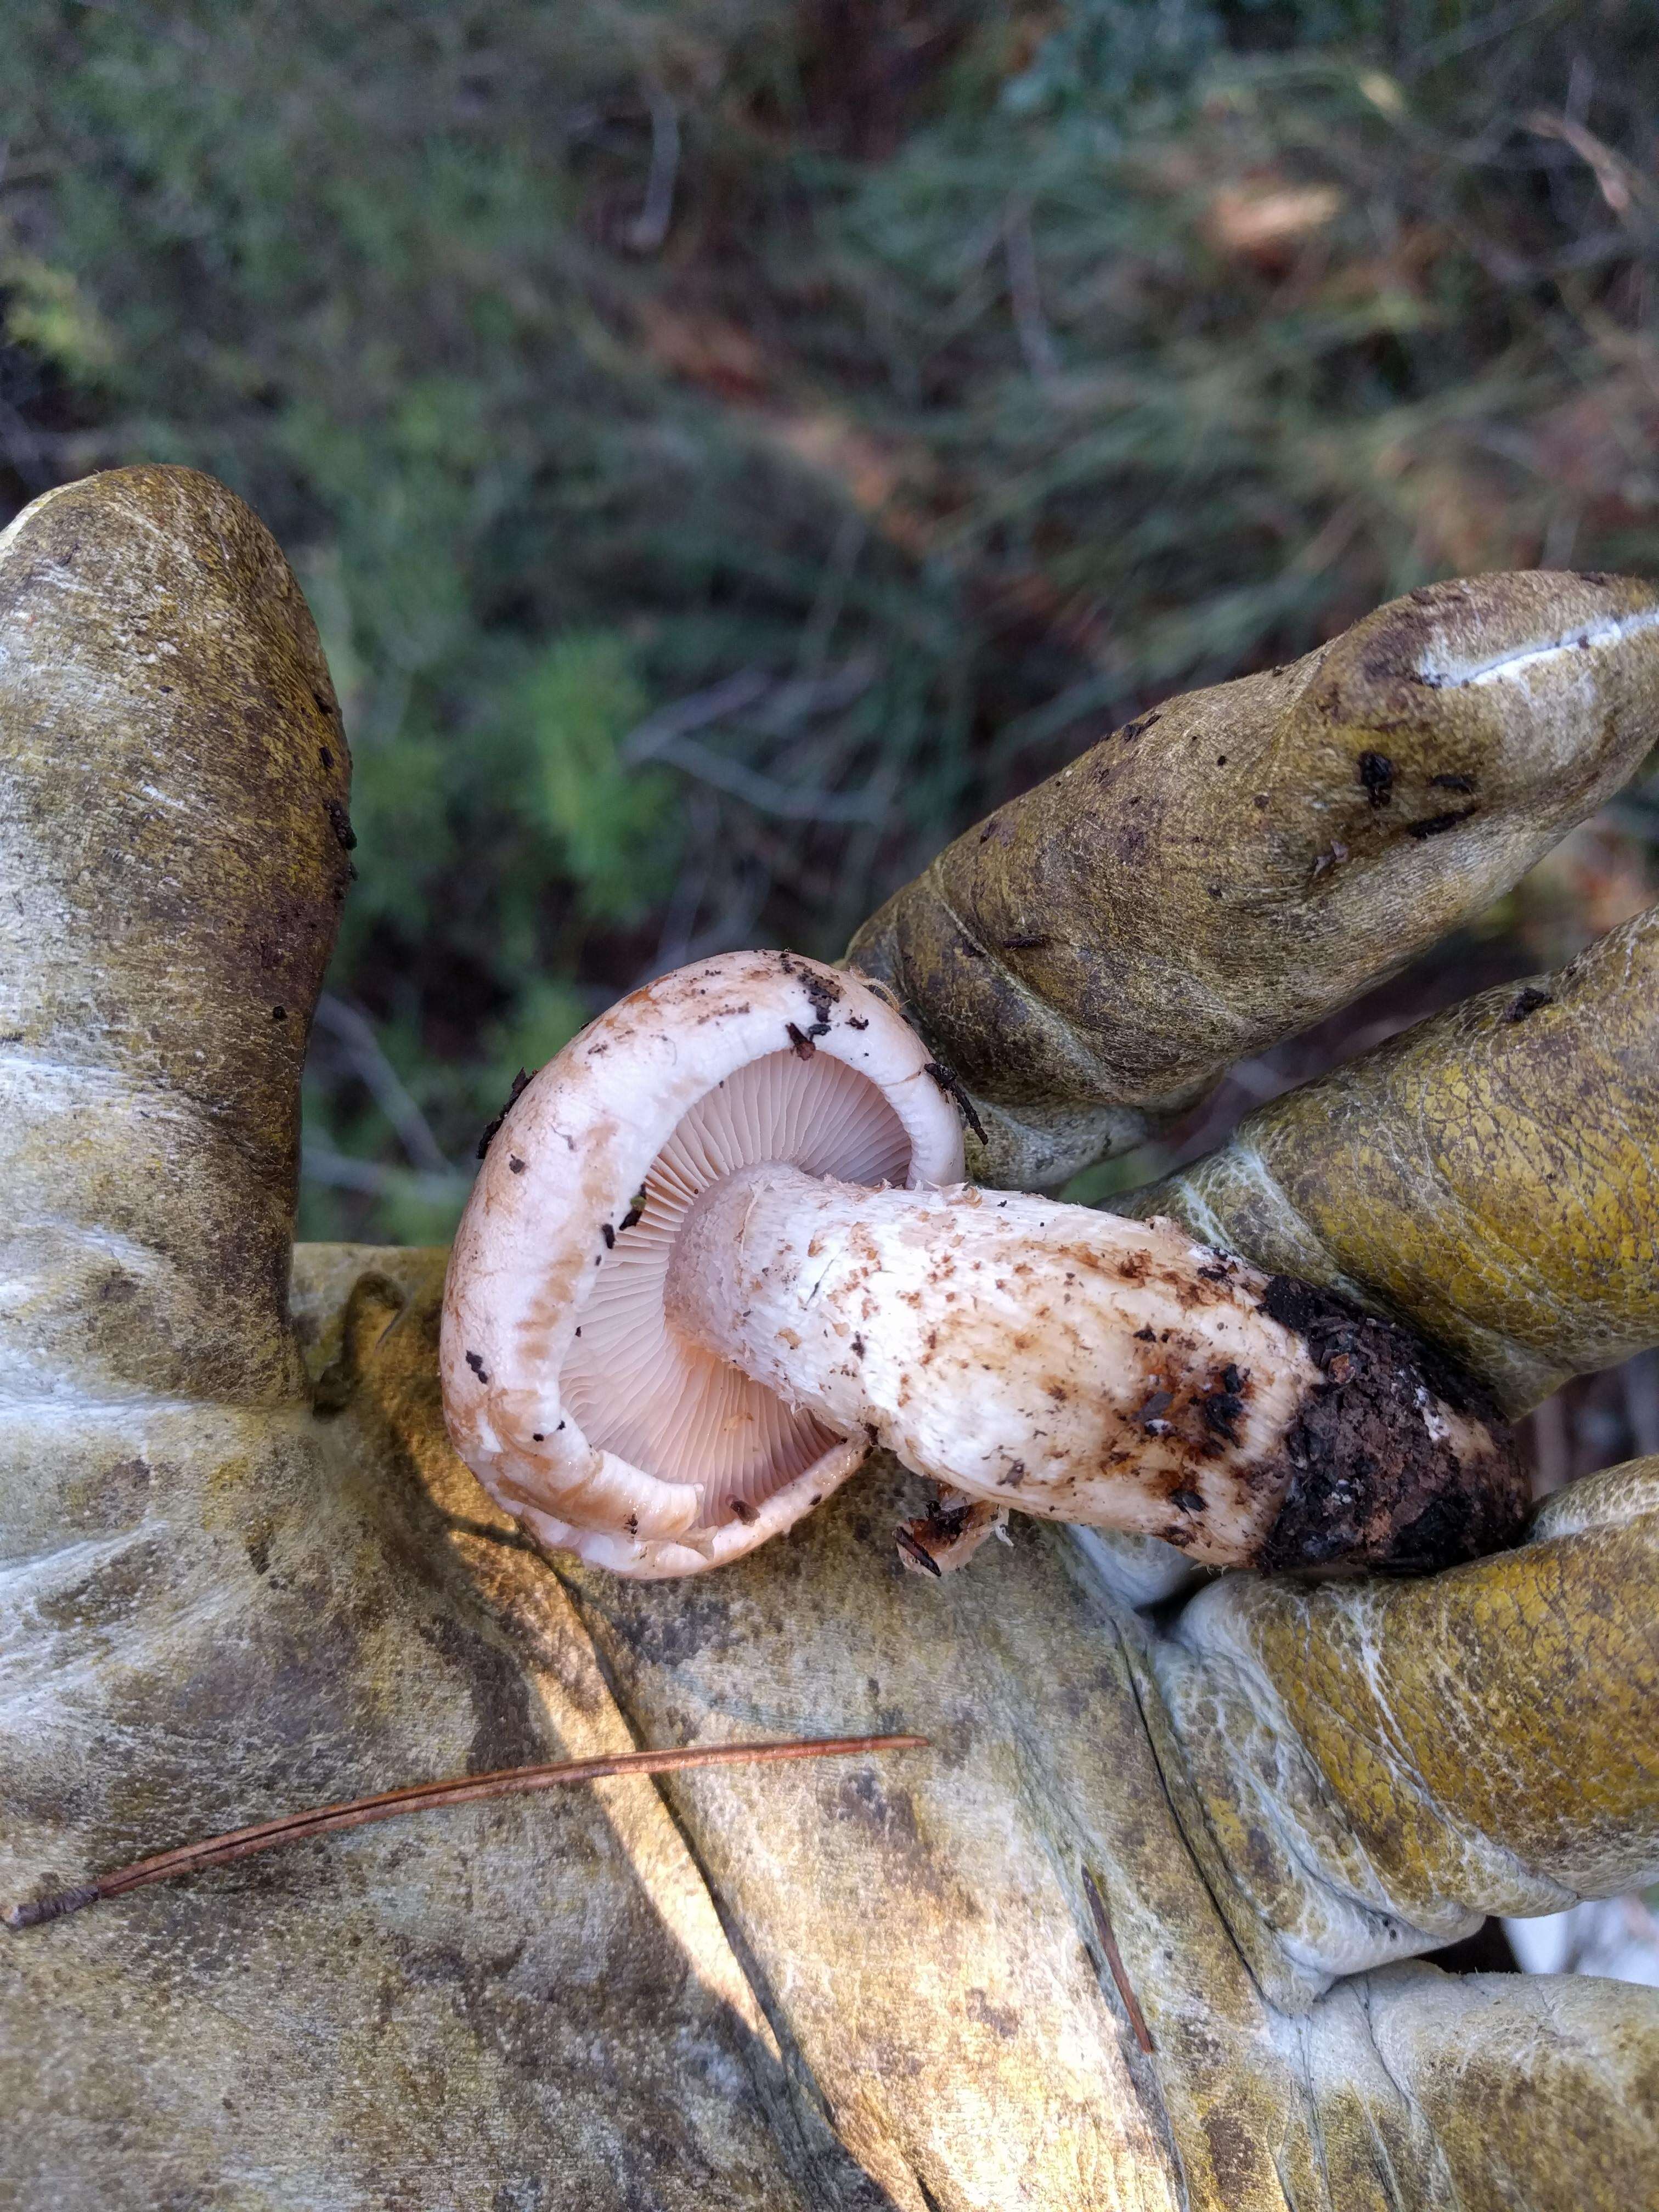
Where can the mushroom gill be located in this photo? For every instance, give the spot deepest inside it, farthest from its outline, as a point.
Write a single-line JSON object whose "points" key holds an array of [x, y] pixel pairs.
{"points": [[647, 1391]]}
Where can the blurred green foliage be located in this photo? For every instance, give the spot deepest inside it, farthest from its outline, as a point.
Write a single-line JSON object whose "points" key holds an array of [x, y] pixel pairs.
{"points": [[727, 446], [575, 704]]}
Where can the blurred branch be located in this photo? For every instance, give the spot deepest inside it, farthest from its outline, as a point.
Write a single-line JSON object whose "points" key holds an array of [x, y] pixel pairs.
{"points": [[648, 229], [773, 706], [1620, 184], [1433, 53], [1036, 340], [733, 924], [29, 452], [695, 712], [322, 1164], [796, 699], [360, 1050], [851, 536], [788, 803]]}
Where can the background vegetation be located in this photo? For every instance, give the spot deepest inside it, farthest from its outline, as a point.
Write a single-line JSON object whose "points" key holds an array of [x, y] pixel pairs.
{"points": [[728, 444]]}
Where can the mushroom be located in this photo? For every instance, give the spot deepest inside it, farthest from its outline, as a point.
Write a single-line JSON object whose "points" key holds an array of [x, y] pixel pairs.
{"points": [[583, 1411], [720, 1246]]}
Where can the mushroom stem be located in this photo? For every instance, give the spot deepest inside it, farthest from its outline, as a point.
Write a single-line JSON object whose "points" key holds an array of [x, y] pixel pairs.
{"points": [[1091, 1369]]}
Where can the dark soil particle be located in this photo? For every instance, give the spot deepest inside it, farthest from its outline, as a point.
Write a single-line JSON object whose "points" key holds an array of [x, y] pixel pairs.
{"points": [[518, 1083], [952, 1088], [946, 1523], [1221, 1409], [1368, 1485], [1436, 825], [1298, 1306], [1377, 774], [822, 991], [1526, 1002]]}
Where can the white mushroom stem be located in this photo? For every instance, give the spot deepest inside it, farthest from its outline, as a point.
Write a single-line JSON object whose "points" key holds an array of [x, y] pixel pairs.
{"points": [[1075, 1366]]}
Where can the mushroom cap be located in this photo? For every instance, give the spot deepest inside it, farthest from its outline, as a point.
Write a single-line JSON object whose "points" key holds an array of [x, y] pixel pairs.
{"points": [[579, 1407]]}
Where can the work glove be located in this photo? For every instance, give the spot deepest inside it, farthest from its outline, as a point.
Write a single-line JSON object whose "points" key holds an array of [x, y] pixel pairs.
{"points": [[1137, 1929]]}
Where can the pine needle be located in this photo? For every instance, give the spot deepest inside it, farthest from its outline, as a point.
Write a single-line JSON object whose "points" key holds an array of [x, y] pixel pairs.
{"points": [[420, 1797]]}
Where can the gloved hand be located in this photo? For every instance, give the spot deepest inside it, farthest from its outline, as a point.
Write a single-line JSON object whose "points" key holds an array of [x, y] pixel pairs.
{"points": [[1088, 1951]]}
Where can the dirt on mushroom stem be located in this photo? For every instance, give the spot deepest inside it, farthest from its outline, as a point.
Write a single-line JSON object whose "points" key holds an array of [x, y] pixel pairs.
{"points": [[1086, 1368]]}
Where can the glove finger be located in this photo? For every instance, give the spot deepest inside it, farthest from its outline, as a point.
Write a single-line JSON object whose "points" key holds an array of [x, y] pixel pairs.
{"points": [[1491, 1178], [172, 786], [1484, 2093], [1240, 861], [1376, 1764]]}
